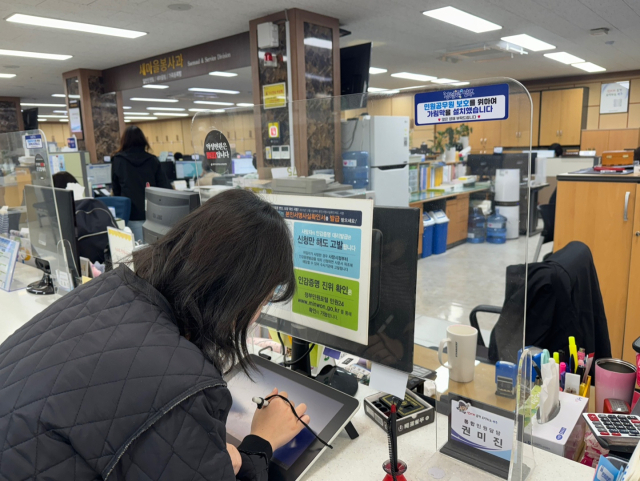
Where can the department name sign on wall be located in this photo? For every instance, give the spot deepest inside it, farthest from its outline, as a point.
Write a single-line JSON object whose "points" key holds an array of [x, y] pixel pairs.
{"points": [[473, 104]]}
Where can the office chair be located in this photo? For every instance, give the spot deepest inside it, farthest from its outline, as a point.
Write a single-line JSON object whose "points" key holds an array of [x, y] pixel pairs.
{"points": [[548, 214], [563, 299], [122, 205]]}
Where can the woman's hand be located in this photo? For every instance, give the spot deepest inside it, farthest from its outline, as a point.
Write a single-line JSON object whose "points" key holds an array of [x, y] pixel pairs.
{"points": [[276, 423], [236, 459]]}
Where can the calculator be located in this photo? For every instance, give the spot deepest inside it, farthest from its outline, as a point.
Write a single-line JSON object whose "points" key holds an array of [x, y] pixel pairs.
{"points": [[615, 429]]}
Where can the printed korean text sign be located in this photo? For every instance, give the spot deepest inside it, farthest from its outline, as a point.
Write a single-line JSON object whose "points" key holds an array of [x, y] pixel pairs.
{"points": [[332, 264], [481, 429], [470, 104], [274, 96]]}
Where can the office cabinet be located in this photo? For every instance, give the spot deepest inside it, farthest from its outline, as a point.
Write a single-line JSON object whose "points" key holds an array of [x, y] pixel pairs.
{"points": [[563, 115], [604, 140], [485, 136], [602, 215], [515, 130], [458, 213]]}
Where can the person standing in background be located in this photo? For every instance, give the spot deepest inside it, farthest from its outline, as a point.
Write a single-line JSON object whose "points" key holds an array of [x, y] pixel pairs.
{"points": [[133, 170]]}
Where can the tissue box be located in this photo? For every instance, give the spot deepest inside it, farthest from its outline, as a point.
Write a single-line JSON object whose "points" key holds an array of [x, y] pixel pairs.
{"points": [[564, 434]]}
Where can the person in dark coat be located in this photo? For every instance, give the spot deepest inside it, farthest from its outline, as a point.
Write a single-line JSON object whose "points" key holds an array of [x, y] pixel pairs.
{"points": [[133, 170], [121, 379]]}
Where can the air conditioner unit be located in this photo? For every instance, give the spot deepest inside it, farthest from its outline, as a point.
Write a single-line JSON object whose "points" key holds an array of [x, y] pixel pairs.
{"points": [[483, 52]]}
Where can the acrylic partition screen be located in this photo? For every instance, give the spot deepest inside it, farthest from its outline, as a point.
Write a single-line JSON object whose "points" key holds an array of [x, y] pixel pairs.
{"points": [[459, 155], [40, 218]]}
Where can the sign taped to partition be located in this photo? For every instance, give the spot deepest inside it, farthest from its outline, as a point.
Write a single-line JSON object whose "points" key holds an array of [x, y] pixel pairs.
{"points": [[217, 152], [332, 264], [472, 104]]}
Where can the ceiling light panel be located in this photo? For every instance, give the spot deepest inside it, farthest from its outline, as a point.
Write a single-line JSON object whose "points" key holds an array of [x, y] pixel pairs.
{"points": [[530, 43], [462, 19], [413, 76], [564, 57], [589, 67], [207, 102], [155, 86], [375, 89], [214, 91], [223, 74], [170, 114], [207, 110], [75, 26], [242, 104], [7, 75], [27, 104], [53, 116], [444, 81], [376, 70], [142, 99], [46, 56], [141, 118], [174, 109], [137, 113]]}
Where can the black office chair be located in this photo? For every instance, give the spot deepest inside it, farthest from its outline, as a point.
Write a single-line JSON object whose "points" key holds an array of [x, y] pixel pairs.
{"points": [[548, 214], [563, 299]]}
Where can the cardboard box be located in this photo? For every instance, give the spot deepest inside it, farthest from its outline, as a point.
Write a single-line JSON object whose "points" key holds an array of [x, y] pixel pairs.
{"points": [[564, 434]]}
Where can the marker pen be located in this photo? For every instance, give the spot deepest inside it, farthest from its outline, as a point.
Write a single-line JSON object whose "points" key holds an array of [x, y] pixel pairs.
{"points": [[563, 370], [556, 357]]}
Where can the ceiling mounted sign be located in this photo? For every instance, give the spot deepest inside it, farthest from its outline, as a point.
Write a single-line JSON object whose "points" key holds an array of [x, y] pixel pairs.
{"points": [[217, 153]]}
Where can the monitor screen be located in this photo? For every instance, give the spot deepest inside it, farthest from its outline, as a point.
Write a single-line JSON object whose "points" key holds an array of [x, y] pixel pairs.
{"points": [[484, 165], [520, 161], [44, 230], [188, 169], [354, 75], [99, 174], [164, 208], [390, 335]]}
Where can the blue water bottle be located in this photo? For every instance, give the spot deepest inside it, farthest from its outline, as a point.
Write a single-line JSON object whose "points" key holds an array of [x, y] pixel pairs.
{"points": [[497, 229], [477, 229]]}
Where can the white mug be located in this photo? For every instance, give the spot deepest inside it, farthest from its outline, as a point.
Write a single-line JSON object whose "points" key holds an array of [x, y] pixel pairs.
{"points": [[461, 350]]}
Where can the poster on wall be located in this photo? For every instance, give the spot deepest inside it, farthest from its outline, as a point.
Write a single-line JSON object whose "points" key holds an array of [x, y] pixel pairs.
{"points": [[274, 96], [470, 104], [75, 119], [614, 98], [332, 264]]}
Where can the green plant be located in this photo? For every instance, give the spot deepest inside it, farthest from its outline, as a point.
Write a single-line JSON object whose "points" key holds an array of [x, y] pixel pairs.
{"points": [[451, 137], [438, 142], [464, 130]]}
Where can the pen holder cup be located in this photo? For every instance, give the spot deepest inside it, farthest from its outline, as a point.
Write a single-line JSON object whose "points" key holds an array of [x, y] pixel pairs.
{"points": [[402, 468], [615, 379]]}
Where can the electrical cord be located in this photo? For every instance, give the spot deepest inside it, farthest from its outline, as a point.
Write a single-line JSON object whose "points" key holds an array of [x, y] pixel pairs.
{"points": [[264, 402], [284, 356]]}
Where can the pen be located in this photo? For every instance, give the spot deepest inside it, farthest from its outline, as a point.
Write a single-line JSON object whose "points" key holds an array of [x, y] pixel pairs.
{"points": [[394, 439], [556, 357], [573, 355], [563, 369], [561, 356], [581, 355]]}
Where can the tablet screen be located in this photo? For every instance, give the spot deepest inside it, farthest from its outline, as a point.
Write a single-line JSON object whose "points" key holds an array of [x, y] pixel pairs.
{"points": [[320, 408]]}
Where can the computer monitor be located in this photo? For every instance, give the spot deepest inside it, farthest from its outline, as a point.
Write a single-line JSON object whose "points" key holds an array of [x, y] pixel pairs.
{"points": [[393, 295], [30, 119], [355, 62], [188, 169], [520, 162], [484, 165], [164, 208], [44, 230]]}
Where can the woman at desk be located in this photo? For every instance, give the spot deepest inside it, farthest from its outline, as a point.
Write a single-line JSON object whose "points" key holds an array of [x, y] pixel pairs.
{"points": [[133, 170], [121, 379]]}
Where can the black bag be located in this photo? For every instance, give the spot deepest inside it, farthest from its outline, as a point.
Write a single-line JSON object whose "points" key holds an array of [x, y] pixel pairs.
{"points": [[92, 219]]}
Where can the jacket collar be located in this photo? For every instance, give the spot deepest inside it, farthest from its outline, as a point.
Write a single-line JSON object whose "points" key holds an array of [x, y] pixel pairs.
{"points": [[142, 286]]}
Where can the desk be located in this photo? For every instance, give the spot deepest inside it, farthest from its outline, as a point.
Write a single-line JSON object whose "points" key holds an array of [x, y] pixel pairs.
{"points": [[456, 205]]}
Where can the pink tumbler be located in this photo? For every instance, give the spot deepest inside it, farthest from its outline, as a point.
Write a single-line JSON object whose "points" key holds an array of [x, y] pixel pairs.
{"points": [[615, 379]]}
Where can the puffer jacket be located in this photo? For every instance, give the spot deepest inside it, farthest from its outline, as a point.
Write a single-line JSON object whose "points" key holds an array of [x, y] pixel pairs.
{"points": [[101, 385]]}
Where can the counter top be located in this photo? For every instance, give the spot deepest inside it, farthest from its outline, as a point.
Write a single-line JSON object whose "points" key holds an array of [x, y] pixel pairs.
{"points": [[630, 178], [422, 197]]}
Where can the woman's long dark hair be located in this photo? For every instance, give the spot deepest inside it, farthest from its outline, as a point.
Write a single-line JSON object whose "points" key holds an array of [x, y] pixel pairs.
{"points": [[133, 137], [217, 267]]}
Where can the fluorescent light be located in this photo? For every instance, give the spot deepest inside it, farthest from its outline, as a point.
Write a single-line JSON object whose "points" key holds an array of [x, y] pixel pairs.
{"points": [[53, 116], [142, 99], [589, 67], [61, 112], [462, 19], [376, 70], [530, 43], [460, 84], [223, 74], [318, 42], [75, 26], [47, 56], [141, 118], [206, 102], [155, 86], [169, 114], [64, 96], [7, 75], [42, 120], [175, 109], [63, 120], [213, 91], [26, 104], [127, 121], [207, 110], [137, 113], [375, 89], [564, 57], [444, 81], [413, 76], [414, 87], [244, 104], [127, 107]]}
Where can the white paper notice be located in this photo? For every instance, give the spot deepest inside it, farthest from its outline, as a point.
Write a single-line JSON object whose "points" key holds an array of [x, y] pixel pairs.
{"points": [[386, 379], [121, 245]]}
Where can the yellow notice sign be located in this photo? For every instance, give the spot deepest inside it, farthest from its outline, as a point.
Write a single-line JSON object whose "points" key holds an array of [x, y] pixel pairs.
{"points": [[274, 96]]}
